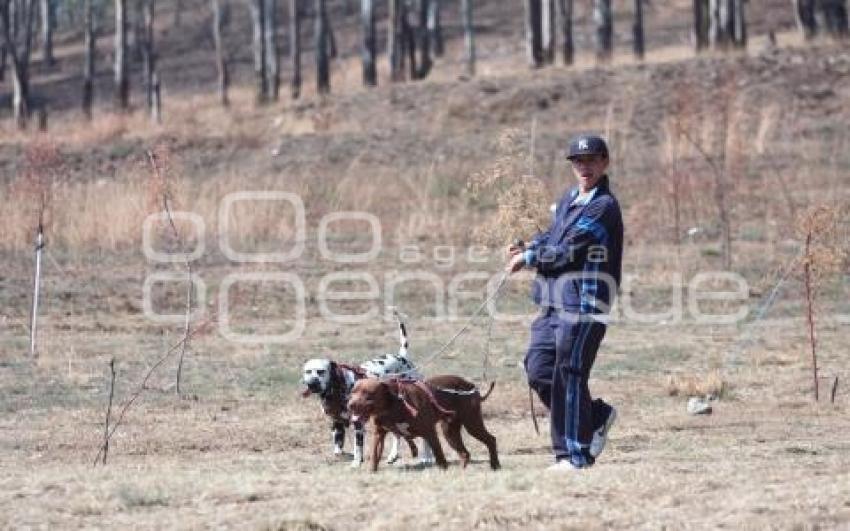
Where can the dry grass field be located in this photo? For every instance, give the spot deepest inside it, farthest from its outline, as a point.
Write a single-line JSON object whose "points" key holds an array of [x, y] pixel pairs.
{"points": [[241, 449]]}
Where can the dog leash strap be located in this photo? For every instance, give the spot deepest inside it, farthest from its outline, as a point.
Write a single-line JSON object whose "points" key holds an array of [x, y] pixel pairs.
{"points": [[533, 415]]}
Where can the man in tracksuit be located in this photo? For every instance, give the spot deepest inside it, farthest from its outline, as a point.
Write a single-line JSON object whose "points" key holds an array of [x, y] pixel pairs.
{"points": [[578, 264]]}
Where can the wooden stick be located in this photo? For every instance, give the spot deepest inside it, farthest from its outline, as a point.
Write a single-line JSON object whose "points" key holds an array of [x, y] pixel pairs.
{"points": [[834, 390], [105, 447]]}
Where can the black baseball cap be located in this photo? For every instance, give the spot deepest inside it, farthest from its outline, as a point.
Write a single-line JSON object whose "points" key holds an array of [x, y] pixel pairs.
{"points": [[587, 145]]}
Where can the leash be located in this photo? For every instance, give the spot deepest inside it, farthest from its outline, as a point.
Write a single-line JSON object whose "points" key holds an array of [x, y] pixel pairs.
{"points": [[493, 297]]}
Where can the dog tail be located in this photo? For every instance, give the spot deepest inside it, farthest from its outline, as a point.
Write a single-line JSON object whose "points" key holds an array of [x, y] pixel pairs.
{"points": [[492, 385], [404, 344]]}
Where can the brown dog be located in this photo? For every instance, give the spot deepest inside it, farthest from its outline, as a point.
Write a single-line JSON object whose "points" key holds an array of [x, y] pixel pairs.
{"points": [[413, 409]]}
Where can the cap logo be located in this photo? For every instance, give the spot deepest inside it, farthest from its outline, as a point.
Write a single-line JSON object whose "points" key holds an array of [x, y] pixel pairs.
{"points": [[582, 144]]}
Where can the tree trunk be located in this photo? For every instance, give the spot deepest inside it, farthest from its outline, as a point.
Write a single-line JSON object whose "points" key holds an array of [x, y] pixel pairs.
{"points": [[394, 47], [47, 20], [469, 36], [603, 18], [295, 48], [136, 37], [566, 9], [533, 33], [3, 56], [547, 33], [701, 24], [149, 61], [329, 30], [728, 24], [272, 61], [408, 41], [835, 17], [435, 28], [122, 82], [738, 30], [323, 72], [18, 45], [637, 31], [156, 107], [259, 51], [88, 67], [425, 63], [220, 61], [367, 20]]}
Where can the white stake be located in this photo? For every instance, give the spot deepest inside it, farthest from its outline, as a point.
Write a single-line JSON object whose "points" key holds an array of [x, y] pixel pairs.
{"points": [[39, 245]]}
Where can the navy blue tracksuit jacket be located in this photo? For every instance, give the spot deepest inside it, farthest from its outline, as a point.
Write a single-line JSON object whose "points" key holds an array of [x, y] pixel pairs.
{"points": [[578, 262]]}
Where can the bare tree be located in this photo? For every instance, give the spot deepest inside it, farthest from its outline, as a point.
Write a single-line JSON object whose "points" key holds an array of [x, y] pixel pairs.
{"points": [[806, 21], [547, 30], [727, 23], [152, 90], [136, 35], [271, 55], [48, 17], [834, 17], [367, 20], [566, 14], [637, 30], [259, 50], [295, 47], [435, 28], [468, 36], [323, 72], [425, 63], [533, 33], [408, 41], [88, 67], [220, 61], [701, 24], [394, 46], [3, 56], [122, 81], [329, 30], [603, 17], [18, 45]]}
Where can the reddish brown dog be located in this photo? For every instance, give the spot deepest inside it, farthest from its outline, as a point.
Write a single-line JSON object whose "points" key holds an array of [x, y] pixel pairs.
{"points": [[413, 409]]}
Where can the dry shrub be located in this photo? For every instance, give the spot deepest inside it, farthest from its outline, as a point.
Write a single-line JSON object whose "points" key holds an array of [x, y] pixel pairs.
{"points": [[520, 202], [32, 194], [826, 251], [710, 384]]}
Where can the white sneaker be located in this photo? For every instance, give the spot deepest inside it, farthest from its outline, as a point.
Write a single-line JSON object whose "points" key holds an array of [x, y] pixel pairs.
{"points": [[562, 465], [600, 436]]}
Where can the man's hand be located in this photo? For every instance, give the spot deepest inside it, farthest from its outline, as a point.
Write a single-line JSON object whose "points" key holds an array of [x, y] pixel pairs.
{"points": [[514, 249], [516, 263]]}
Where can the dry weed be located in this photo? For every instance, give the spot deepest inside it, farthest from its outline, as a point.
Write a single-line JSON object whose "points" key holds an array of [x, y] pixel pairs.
{"points": [[710, 384], [520, 201]]}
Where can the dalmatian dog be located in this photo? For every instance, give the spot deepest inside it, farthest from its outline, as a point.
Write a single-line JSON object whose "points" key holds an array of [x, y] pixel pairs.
{"points": [[393, 366], [332, 383]]}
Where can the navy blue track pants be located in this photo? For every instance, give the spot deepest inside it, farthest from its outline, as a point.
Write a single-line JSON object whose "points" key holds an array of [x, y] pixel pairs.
{"points": [[560, 355]]}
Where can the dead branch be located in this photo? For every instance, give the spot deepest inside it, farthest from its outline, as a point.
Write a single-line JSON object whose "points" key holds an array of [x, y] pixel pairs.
{"points": [[105, 446], [189, 288], [141, 387]]}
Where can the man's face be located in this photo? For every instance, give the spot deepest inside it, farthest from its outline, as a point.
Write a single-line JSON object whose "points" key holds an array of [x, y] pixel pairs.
{"points": [[588, 169]]}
